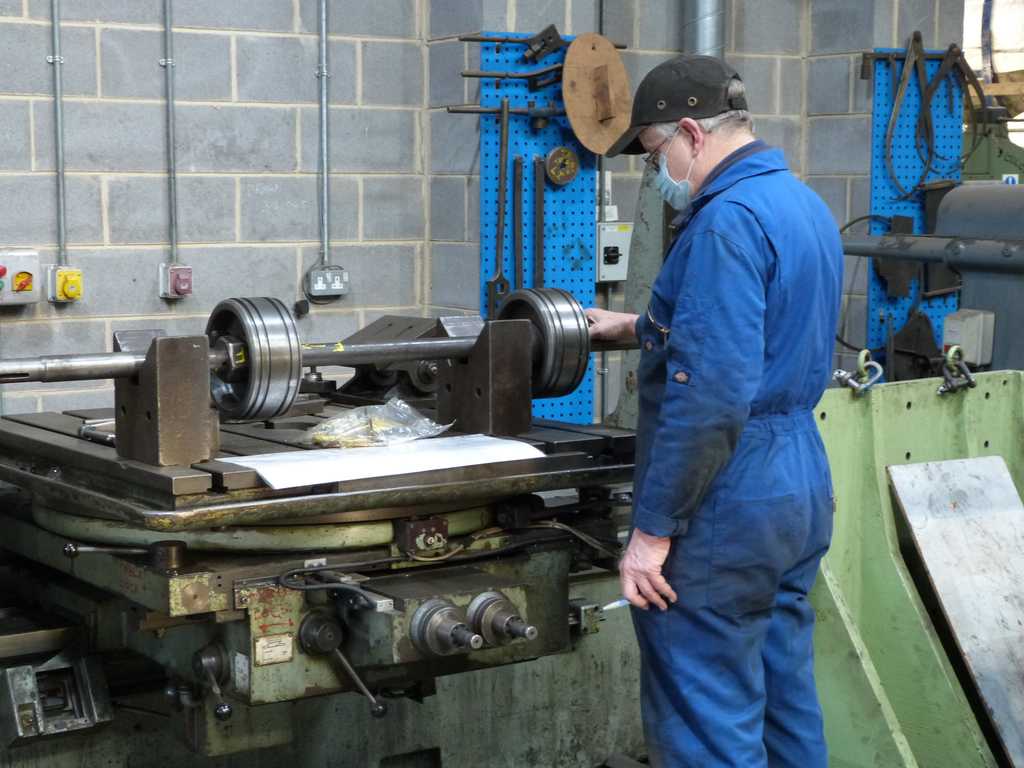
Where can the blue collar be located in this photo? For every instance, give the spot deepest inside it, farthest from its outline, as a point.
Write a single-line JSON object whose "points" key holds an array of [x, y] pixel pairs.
{"points": [[751, 159]]}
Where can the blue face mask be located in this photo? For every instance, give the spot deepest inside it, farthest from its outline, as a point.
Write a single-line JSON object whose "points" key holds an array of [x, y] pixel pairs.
{"points": [[678, 194]]}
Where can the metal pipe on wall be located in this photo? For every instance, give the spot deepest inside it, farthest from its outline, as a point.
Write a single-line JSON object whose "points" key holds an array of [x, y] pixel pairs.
{"points": [[324, 159], [704, 27], [56, 60], [602, 367], [167, 62]]}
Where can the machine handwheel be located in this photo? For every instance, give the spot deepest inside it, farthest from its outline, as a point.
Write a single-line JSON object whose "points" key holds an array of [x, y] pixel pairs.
{"points": [[561, 350], [264, 369]]}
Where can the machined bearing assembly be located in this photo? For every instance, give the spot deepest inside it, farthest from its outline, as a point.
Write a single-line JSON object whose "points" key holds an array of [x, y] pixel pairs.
{"points": [[262, 358], [256, 357]]}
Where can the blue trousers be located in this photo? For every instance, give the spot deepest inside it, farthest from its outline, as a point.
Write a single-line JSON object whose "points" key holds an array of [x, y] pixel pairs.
{"points": [[727, 673]]}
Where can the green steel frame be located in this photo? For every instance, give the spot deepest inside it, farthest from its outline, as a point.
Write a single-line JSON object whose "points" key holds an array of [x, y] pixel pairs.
{"points": [[890, 695]]}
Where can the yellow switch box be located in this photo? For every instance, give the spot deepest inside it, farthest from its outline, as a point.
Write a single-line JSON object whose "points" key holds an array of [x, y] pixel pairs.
{"points": [[64, 284]]}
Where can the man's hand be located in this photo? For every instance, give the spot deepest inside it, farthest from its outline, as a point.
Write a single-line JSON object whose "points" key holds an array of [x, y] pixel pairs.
{"points": [[611, 326], [640, 571]]}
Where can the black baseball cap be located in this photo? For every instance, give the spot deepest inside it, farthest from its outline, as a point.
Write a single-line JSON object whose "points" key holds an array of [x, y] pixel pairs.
{"points": [[686, 86]]}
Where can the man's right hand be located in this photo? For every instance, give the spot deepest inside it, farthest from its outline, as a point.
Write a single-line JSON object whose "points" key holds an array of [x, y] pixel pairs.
{"points": [[611, 326]]}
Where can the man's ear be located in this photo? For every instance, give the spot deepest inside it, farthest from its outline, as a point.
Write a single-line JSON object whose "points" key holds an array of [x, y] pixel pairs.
{"points": [[689, 127]]}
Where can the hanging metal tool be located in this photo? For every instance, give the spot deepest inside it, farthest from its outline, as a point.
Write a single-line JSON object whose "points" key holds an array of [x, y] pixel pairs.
{"points": [[548, 40], [497, 286], [535, 79], [539, 176], [913, 63], [562, 164], [539, 116], [517, 221]]}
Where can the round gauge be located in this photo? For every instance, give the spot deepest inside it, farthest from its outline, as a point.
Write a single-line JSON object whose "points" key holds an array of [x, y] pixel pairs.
{"points": [[562, 165]]}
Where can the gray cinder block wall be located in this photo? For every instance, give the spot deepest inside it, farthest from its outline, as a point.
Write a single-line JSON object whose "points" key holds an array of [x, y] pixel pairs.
{"points": [[405, 183]]}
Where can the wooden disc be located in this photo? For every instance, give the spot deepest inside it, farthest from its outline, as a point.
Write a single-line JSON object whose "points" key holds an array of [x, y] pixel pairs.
{"points": [[595, 89]]}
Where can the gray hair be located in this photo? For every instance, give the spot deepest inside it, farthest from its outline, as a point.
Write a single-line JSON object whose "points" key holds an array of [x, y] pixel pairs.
{"points": [[726, 123]]}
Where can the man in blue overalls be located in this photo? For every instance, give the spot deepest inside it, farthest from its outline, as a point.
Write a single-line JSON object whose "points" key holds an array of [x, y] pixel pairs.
{"points": [[732, 493]]}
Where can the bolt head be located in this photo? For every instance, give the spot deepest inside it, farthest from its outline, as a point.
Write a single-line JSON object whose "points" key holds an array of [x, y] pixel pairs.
{"points": [[223, 711]]}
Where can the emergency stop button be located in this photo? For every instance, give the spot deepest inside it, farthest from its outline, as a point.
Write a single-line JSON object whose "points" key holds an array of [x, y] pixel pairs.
{"points": [[3, 270]]}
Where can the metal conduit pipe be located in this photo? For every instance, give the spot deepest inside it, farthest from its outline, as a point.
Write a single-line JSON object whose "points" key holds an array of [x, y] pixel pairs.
{"points": [[56, 60], [704, 27], [965, 254], [324, 160], [167, 62]]}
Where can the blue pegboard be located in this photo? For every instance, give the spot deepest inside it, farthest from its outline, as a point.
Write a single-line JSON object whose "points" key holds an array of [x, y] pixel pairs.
{"points": [[947, 116], [569, 232]]}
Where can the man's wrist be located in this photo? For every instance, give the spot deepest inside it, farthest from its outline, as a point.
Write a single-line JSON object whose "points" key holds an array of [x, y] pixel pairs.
{"points": [[628, 330]]}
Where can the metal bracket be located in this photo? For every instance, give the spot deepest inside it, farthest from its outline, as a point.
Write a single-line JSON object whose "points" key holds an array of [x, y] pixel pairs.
{"points": [[164, 415], [167, 63], [58, 60], [956, 376], [488, 392], [868, 374], [321, 72]]}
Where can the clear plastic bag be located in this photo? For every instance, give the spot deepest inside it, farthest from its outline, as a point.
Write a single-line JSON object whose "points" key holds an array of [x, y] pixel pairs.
{"points": [[375, 425]]}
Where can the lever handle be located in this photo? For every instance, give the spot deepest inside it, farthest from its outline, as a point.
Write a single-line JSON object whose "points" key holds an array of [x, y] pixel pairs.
{"points": [[73, 550], [222, 711], [377, 707]]}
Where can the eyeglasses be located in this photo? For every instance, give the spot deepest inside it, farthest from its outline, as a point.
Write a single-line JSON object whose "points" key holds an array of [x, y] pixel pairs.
{"points": [[652, 160]]}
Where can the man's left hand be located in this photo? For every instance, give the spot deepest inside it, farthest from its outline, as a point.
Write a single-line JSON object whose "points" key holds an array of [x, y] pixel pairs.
{"points": [[640, 571]]}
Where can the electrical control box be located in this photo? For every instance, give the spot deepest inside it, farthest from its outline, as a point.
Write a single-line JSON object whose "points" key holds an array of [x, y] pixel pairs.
{"points": [[175, 281], [327, 281], [19, 276], [64, 284], [613, 238], [971, 330]]}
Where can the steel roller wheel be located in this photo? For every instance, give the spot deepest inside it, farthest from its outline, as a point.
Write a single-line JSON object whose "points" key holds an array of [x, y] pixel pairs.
{"points": [[264, 371], [561, 350]]}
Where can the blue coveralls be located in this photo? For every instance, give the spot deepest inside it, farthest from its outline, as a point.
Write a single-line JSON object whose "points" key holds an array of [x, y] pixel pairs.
{"points": [[736, 351]]}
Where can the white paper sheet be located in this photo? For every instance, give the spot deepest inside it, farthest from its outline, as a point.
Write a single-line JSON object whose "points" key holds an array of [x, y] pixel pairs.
{"points": [[334, 465]]}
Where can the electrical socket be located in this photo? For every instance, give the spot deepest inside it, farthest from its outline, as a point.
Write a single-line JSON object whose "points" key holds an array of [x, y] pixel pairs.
{"points": [[326, 281], [175, 281], [63, 284]]}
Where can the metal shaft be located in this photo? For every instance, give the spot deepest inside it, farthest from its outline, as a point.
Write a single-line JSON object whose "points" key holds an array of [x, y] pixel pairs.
{"points": [[960, 253], [56, 59], [118, 365]]}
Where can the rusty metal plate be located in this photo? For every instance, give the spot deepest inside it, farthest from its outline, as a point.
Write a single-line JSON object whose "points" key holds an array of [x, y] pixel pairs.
{"points": [[965, 523], [42, 437]]}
